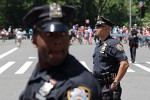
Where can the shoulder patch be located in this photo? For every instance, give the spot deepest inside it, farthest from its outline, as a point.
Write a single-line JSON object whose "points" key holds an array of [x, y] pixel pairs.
{"points": [[79, 93], [119, 47]]}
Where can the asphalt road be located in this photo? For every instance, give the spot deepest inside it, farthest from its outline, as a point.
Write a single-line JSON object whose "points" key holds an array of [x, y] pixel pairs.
{"points": [[16, 65]]}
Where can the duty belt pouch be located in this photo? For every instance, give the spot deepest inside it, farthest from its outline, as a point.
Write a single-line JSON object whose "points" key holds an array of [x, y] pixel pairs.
{"points": [[106, 93], [115, 95], [106, 96], [107, 78], [110, 95]]}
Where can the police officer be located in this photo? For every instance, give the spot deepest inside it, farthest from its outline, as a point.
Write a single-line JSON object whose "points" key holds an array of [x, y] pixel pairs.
{"points": [[57, 75], [110, 61], [133, 44]]}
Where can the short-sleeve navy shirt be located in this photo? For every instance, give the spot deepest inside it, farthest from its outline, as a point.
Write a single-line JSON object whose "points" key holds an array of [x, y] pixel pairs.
{"points": [[107, 56]]}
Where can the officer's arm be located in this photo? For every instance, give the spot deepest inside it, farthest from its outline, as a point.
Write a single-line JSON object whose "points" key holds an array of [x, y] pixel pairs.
{"points": [[121, 72], [122, 58]]}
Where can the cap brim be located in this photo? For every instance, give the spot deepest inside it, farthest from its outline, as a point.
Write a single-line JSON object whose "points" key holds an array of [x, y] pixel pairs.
{"points": [[53, 27]]}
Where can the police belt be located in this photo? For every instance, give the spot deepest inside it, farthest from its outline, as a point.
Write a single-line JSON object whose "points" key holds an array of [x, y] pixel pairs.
{"points": [[106, 78]]}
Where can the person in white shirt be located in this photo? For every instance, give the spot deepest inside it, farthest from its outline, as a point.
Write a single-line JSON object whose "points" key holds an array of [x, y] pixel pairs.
{"points": [[19, 36]]}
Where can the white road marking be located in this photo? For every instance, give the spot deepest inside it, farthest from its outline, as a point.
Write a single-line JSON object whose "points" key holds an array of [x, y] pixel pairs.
{"points": [[24, 67], [85, 65], [7, 53], [130, 70], [148, 62], [27, 64], [32, 57], [142, 67], [132, 63], [4, 67]]}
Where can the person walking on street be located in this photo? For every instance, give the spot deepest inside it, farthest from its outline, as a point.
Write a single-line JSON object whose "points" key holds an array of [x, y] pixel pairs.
{"points": [[133, 44], [30, 33], [110, 62], [57, 75], [19, 37], [87, 36]]}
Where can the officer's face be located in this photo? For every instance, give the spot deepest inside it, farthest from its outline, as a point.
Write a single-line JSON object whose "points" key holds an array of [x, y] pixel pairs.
{"points": [[52, 47], [102, 30]]}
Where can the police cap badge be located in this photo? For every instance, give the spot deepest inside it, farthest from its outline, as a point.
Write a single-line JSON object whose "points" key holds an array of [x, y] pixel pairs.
{"points": [[49, 18], [103, 20]]}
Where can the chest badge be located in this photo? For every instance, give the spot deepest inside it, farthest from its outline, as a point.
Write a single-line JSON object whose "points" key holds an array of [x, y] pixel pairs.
{"points": [[103, 48], [46, 88]]}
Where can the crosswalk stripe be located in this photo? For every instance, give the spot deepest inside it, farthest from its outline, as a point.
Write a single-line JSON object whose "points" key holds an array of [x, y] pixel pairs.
{"points": [[85, 65], [130, 70], [27, 64], [8, 52], [24, 67], [4, 67], [142, 67], [32, 57], [148, 62]]}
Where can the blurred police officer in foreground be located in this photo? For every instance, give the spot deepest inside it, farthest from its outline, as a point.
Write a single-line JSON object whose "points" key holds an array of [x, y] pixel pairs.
{"points": [[110, 61], [57, 75], [133, 44]]}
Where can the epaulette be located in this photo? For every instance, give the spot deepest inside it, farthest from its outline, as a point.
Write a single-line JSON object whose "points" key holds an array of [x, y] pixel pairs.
{"points": [[112, 42], [115, 43]]}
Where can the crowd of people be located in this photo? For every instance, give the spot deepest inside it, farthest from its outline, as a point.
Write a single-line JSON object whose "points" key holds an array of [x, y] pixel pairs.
{"points": [[17, 33], [79, 34], [143, 35], [86, 35]]}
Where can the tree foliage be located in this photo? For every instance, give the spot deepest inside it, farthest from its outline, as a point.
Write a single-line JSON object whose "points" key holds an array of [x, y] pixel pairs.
{"points": [[12, 11]]}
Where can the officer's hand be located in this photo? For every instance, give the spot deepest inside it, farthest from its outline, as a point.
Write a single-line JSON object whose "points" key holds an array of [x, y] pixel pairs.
{"points": [[113, 86]]}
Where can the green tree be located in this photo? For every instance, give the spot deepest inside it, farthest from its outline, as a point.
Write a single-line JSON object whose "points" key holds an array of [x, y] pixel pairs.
{"points": [[12, 11]]}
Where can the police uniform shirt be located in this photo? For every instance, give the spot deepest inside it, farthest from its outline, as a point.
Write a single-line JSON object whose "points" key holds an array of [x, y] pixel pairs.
{"points": [[107, 56], [72, 81], [133, 40]]}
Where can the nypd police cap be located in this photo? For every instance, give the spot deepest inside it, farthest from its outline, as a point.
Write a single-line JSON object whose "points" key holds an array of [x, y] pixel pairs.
{"points": [[103, 20], [49, 18]]}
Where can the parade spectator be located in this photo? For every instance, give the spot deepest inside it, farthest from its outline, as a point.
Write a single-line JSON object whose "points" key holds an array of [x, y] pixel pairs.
{"points": [[30, 33], [148, 37], [9, 29], [86, 35], [19, 37], [91, 34], [4, 35], [79, 36], [70, 36]]}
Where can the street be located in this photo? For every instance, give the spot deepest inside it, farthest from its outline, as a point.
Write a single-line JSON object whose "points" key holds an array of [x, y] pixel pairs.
{"points": [[17, 64]]}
